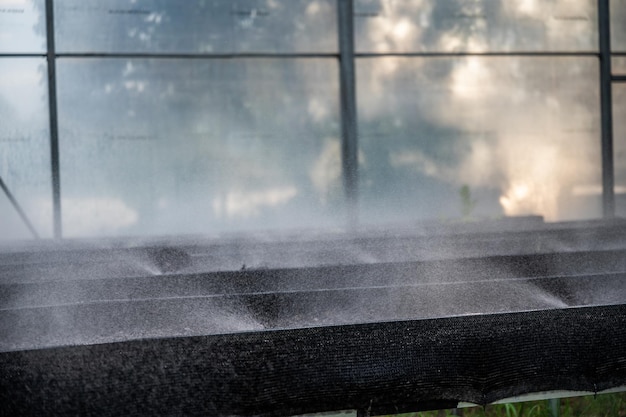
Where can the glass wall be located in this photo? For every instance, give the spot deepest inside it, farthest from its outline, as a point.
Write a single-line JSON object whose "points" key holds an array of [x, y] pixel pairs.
{"points": [[24, 147], [225, 116], [22, 29], [405, 26], [619, 65], [217, 26], [618, 27], [174, 146], [480, 137]]}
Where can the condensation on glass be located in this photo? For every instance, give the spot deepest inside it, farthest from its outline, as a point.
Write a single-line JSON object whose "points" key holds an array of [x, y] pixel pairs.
{"points": [[475, 26], [22, 26], [195, 26], [478, 137], [619, 147], [24, 147], [618, 25], [198, 146]]}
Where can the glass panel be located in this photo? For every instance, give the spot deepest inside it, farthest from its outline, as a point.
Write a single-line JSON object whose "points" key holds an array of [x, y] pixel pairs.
{"points": [[478, 137], [475, 26], [22, 26], [618, 25], [284, 26], [618, 65], [198, 146], [24, 147], [619, 147], [215, 26]]}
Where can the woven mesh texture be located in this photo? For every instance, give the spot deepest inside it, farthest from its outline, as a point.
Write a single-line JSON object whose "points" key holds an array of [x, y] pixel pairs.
{"points": [[382, 367]]}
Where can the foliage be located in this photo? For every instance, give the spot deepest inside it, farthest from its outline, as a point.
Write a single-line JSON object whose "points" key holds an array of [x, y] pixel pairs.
{"points": [[605, 405], [467, 204]]}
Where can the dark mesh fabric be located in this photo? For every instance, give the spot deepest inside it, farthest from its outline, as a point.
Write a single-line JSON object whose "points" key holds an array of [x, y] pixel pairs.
{"points": [[380, 322], [380, 367]]}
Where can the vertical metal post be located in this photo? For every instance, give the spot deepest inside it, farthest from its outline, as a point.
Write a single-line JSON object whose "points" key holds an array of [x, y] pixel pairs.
{"points": [[54, 128], [349, 145], [608, 180], [554, 405]]}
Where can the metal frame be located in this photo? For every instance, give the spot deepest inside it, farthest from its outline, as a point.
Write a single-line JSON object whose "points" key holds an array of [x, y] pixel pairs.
{"points": [[486, 54], [54, 126], [347, 74], [346, 57], [606, 116]]}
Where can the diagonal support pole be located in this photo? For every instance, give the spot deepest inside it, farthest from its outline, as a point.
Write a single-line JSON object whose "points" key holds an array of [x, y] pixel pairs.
{"points": [[18, 208]]}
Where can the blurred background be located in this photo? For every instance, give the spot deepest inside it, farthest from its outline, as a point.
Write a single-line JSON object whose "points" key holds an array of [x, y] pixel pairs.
{"points": [[161, 117]]}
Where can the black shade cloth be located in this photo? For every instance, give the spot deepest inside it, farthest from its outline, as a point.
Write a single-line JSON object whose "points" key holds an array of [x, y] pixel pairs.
{"points": [[381, 322], [383, 367]]}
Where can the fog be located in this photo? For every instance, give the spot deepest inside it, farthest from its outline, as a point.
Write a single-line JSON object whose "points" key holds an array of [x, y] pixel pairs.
{"points": [[167, 146], [504, 123], [100, 291], [202, 196], [240, 159]]}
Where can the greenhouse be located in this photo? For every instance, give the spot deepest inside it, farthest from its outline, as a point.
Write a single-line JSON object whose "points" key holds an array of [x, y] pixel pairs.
{"points": [[282, 207]]}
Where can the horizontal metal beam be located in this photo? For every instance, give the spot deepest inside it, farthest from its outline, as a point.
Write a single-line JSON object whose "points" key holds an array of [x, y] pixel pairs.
{"points": [[299, 55], [149, 55], [22, 55], [486, 54]]}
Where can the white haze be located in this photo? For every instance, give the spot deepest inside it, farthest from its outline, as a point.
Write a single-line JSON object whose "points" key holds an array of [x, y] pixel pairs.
{"points": [[527, 135], [531, 126]]}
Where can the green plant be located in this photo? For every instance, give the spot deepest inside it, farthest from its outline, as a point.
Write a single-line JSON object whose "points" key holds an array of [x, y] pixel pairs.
{"points": [[467, 204], [511, 410], [604, 405], [535, 410]]}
